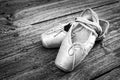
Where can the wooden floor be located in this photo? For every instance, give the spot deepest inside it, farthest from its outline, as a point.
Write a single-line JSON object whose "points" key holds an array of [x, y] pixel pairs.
{"points": [[22, 57]]}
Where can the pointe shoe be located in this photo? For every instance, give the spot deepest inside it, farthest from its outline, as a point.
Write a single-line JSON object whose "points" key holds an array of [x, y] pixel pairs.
{"points": [[53, 37], [79, 40]]}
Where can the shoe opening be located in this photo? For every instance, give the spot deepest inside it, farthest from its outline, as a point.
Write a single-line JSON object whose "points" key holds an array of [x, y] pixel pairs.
{"points": [[67, 27]]}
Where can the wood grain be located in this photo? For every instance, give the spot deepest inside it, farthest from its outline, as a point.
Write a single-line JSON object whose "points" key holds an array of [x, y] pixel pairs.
{"points": [[96, 63], [58, 12], [111, 75], [22, 57], [39, 9]]}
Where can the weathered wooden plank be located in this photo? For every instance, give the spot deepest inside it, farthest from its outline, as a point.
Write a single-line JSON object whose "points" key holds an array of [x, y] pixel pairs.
{"points": [[28, 67], [54, 73], [55, 13], [96, 63], [28, 60], [111, 75], [25, 61], [44, 8], [33, 10], [8, 7], [100, 12], [32, 34]]}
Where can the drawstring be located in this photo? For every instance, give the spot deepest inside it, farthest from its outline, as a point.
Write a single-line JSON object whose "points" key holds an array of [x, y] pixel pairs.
{"points": [[91, 25], [73, 46]]}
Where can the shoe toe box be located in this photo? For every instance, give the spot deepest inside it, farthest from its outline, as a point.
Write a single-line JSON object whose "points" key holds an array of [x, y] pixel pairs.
{"points": [[43, 40]]}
